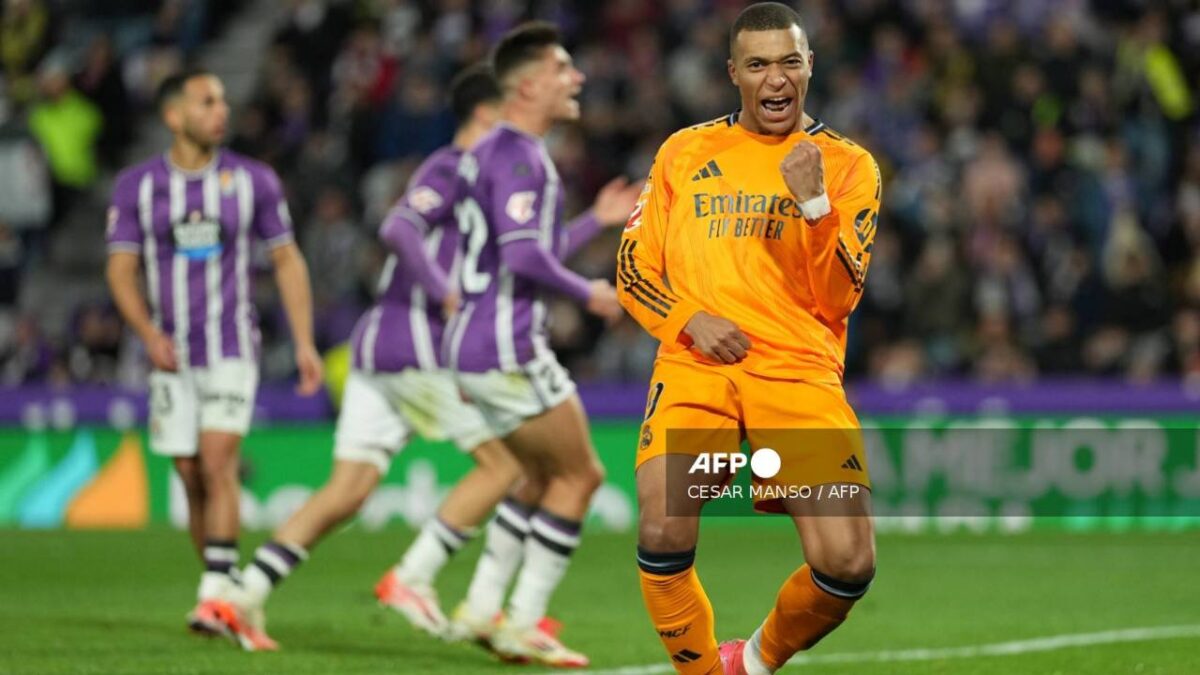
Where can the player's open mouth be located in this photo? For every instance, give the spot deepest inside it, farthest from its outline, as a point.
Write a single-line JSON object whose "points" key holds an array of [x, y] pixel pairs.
{"points": [[776, 108]]}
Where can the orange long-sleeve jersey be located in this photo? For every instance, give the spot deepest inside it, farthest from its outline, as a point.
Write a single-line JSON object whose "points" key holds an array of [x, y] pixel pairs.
{"points": [[717, 229]]}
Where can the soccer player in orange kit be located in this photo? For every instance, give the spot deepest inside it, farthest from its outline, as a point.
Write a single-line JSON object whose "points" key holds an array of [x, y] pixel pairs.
{"points": [[745, 256]]}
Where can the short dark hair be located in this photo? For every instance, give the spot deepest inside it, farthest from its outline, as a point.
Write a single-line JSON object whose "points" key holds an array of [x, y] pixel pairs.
{"points": [[521, 45], [472, 86], [174, 84], [764, 16]]}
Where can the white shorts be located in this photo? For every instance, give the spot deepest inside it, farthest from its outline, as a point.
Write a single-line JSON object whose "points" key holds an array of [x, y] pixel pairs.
{"points": [[381, 410], [507, 399], [219, 397]]}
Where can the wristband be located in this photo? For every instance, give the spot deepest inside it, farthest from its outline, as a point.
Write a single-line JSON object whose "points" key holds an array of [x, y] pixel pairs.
{"points": [[816, 208]]}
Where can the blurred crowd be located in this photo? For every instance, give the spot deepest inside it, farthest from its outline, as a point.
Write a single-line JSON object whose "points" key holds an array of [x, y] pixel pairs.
{"points": [[76, 77], [1041, 161]]}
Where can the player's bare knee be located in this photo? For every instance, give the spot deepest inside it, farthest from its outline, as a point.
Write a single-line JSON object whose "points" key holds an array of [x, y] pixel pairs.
{"points": [[219, 475], [593, 475], [657, 533], [586, 478], [189, 476], [853, 564]]}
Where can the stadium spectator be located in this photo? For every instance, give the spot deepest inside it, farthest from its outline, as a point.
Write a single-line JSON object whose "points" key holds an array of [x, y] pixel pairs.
{"points": [[25, 193], [11, 254], [24, 38], [334, 246], [26, 357], [68, 127], [100, 81], [96, 345]]}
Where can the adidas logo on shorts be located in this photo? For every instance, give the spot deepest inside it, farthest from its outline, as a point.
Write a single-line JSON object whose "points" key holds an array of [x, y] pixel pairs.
{"points": [[852, 463]]}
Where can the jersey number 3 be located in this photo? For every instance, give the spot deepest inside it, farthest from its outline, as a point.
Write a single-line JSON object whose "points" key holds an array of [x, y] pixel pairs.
{"points": [[473, 226]]}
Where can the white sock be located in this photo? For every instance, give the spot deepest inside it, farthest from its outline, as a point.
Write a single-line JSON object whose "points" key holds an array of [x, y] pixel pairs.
{"points": [[214, 585], [273, 562], [430, 552], [503, 548], [256, 586], [548, 551], [220, 565], [752, 655]]}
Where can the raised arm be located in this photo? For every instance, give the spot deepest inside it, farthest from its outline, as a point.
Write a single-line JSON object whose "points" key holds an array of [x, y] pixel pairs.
{"points": [[522, 211], [614, 203], [841, 225]]}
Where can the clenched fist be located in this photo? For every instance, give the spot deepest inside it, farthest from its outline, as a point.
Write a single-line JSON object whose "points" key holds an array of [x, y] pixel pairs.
{"points": [[804, 171], [717, 338]]}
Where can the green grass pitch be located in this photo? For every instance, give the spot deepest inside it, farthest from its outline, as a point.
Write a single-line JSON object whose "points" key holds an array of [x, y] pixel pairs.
{"points": [[101, 602]]}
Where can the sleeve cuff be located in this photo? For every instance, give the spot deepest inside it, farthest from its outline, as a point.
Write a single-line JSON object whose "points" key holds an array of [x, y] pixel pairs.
{"points": [[578, 288], [671, 330], [279, 240], [587, 221], [517, 235], [816, 208], [412, 216], [124, 247]]}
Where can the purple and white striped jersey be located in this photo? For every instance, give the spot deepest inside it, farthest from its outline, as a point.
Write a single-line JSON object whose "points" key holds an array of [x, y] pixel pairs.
{"points": [[192, 230], [509, 196], [404, 328]]}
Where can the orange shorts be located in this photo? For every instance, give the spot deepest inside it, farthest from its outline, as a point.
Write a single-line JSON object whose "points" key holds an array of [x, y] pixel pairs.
{"points": [[694, 408]]}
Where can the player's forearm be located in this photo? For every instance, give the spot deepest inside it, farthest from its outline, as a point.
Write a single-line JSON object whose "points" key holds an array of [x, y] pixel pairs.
{"points": [[643, 293], [122, 275], [580, 231], [528, 260], [403, 239], [836, 268], [661, 318], [291, 276]]}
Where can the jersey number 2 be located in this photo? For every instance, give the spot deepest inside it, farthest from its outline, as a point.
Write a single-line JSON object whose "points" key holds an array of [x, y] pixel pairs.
{"points": [[473, 226]]}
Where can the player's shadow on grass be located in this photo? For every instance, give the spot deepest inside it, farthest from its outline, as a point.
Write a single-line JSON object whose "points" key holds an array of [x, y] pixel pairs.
{"points": [[142, 627], [413, 648]]}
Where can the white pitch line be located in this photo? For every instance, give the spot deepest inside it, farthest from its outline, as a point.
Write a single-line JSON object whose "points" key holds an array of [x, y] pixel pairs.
{"points": [[1042, 644]]}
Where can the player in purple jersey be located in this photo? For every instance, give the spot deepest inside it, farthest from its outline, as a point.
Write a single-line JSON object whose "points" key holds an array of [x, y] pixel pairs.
{"points": [[509, 212], [188, 216], [397, 387]]}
